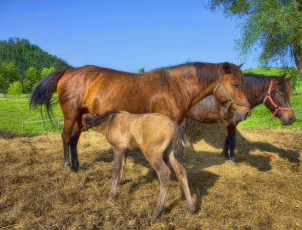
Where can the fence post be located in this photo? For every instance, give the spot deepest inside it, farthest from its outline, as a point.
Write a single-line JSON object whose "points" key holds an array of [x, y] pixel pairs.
{"points": [[22, 126], [58, 125]]}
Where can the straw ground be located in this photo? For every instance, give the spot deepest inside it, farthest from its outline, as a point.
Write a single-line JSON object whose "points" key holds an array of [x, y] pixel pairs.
{"points": [[36, 193]]}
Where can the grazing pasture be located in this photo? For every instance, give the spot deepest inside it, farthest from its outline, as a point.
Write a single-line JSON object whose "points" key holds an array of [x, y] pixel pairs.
{"points": [[37, 193]]}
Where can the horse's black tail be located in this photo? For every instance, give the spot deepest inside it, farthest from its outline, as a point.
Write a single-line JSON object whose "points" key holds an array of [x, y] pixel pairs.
{"points": [[90, 120], [42, 93], [176, 143]]}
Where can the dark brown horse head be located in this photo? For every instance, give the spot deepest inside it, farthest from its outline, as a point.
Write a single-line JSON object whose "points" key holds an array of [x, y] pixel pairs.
{"points": [[230, 91], [278, 100]]}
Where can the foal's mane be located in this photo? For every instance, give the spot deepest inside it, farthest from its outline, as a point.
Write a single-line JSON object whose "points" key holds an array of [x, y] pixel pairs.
{"points": [[97, 118]]}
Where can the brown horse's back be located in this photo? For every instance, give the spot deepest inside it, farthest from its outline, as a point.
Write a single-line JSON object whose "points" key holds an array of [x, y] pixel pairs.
{"points": [[97, 90]]}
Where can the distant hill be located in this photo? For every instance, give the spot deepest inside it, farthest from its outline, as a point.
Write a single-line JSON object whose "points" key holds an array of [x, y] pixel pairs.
{"points": [[24, 55]]}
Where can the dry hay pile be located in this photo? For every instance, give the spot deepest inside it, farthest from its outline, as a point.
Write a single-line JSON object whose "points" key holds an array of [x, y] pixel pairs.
{"points": [[36, 193]]}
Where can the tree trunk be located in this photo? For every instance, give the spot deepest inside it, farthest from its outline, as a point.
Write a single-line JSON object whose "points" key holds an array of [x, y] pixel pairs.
{"points": [[298, 58]]}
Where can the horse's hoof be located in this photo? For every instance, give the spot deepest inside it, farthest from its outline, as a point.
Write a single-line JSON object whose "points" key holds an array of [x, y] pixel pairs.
{"points": [[233, 159], [226, 156], [75, 168], [67, 167]]}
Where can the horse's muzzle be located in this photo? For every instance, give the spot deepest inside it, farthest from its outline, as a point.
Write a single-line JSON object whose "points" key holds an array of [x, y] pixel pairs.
{"points": [[242, 117]]}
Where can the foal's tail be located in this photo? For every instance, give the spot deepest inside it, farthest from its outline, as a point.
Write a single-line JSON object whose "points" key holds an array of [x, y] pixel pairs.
{"points": [[176, 143], [42, 93]]}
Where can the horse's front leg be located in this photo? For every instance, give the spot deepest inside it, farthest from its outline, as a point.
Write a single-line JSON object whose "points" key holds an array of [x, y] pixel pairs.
{"points": [[116, 171], [232, 141]]}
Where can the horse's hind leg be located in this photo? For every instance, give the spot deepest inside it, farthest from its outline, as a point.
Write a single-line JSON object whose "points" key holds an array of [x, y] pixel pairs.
{"points": [[182, 128], [66, 138], [116, 171], [164, 175], [70, 137], [181, 175], [75, 135]]}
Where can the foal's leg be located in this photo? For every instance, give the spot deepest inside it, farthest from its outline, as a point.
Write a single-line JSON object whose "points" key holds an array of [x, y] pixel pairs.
{"points": [[181, 175], [116, 170], [164, 175], [122, 167]]}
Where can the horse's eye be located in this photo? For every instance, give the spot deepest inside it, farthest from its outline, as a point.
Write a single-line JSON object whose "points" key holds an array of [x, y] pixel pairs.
{"points": [[280, 93], [235, 84]]}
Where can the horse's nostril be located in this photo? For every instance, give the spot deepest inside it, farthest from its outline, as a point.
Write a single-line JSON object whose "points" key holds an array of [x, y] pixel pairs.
{"points": [[291, 120], [248, 114]]}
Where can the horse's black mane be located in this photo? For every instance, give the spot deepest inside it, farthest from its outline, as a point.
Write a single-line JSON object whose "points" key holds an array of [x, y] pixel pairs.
{"points": [[256, 84]]}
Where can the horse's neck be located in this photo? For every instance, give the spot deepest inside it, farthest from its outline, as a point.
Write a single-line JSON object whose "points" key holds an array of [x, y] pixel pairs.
{"points": [[256, 96], [193, 87]]}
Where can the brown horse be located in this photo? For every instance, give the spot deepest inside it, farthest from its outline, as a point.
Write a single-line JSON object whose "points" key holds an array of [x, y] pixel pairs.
{"points": [[156, 135], [274, 92], [170, 91]]}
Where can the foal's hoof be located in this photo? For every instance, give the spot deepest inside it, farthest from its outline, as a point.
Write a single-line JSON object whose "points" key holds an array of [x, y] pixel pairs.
{"points": [[67, 167], [156, 215], [191, 209]]}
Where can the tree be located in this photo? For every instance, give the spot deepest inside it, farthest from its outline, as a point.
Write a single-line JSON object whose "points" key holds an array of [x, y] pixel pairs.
{"points": [[141, 70], [272, 27], [32, 76], [15, 88], [8, 74], [45, 71]]}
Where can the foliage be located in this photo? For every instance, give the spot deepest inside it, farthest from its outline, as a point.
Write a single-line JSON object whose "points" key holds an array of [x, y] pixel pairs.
{"points": [[24, 55], [46, 71], [141, 70], [32, 76], [15, 88], [8, 74], [272, 28]]}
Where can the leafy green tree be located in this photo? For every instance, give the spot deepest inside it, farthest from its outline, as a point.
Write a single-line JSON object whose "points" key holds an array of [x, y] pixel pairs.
{"points": [[141, 70], [8, 74], [32, 76], [271, 28], [15, 88], [45, 71]]}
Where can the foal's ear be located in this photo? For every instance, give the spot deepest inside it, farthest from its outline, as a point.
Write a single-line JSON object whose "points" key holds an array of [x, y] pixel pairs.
{"points": [[227, 68], [239, 66]]}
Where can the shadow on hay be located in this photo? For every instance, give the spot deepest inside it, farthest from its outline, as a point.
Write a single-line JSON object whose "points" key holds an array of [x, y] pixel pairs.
{"points": [[214, 134]]}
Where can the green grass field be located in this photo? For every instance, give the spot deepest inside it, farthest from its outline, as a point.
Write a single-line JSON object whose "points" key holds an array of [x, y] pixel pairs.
{"points": [[14, 112]]}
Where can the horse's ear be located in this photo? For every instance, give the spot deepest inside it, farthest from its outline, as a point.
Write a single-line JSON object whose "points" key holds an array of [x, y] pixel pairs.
{"points": [[227, 68], [239, 66], [283, 76]]}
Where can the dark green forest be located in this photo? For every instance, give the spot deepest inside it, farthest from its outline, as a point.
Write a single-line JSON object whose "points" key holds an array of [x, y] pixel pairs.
{"points": [[25, 63]]}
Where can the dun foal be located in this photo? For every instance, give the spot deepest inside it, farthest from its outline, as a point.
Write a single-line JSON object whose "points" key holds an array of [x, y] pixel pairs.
{"points": [[156, 135]]}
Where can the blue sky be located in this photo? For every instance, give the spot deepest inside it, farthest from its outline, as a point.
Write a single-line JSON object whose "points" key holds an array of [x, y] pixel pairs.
{"points": [[124, 35]]}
